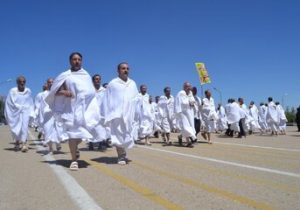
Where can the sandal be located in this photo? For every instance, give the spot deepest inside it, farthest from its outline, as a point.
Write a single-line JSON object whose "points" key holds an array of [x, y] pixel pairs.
{"points": [[24, 148], [74, 166]]}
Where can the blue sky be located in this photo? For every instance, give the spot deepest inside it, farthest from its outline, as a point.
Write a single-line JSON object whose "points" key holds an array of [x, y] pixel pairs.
{"points": [[251, 48]]}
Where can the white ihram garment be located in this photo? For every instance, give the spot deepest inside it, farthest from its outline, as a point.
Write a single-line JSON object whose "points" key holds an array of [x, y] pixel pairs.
{"points": [[145, 115], [51, 123], [166, 107], [272, 116], [282, 118], [185, 114], [19, 109], [222, 119], [80, 114], [262, 114], [209, 114], [254, 125], [120, 111], [233, 116]]}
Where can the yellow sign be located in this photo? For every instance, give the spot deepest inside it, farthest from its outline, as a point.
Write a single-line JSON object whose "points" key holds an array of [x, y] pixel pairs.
{"points": [[203, 74]]}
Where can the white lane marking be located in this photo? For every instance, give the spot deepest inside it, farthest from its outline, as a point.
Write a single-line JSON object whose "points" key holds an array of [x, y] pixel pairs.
{"points": [[255, 146], [274, 171], [79, 196]]}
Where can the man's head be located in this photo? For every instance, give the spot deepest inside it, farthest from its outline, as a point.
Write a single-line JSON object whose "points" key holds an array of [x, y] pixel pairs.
{"points": [[75, 61], [261, 104], [277, 103], [251, 104], [49, 83], [123, 71], [194, 90], [187, 87], [45, 87], [241, 101], [207, 94], [156, 99], [270, 99], [150, 99], [21, 81], [167, 91], [143, 89], [97, 81]]}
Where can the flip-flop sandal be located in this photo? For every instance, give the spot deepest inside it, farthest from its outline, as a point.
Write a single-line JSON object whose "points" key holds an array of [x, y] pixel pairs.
{"points": [[74, 166]]}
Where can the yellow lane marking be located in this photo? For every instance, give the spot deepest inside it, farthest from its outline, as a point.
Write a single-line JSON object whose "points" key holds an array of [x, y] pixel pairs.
{"points": [[220, 192], [259, 182], [147, 193]]}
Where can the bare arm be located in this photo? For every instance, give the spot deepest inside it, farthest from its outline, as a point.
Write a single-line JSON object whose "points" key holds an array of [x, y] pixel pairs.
{"points": [[63, 91]]}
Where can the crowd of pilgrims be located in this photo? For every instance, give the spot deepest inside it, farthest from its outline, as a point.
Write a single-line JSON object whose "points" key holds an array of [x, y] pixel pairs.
{"points": [[77, 107]]}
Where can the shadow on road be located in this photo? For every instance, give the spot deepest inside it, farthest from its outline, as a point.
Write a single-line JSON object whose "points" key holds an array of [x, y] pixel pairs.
{"points": [[94, 150], [46, 152], [106, 160], [14, 150], [10, 149], [66, 163]]}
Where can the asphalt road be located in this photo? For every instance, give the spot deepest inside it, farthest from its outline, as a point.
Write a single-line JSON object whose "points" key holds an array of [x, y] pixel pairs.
{"points": [[259, 172]]}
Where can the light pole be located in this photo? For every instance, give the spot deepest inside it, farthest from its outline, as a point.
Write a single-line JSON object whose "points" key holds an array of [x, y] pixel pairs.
{"points": [[220, 93]]}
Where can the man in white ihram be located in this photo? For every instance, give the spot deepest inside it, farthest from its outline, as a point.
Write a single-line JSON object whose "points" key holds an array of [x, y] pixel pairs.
{"points": [[184, 112], [209, 116], [253, 111], [101, 131], [120, 111], [145, 115], [272, 116], [19, 108], [37, 106], [262, 114], [282, 118], [166, 110], [52, 128], [72, 99]]}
